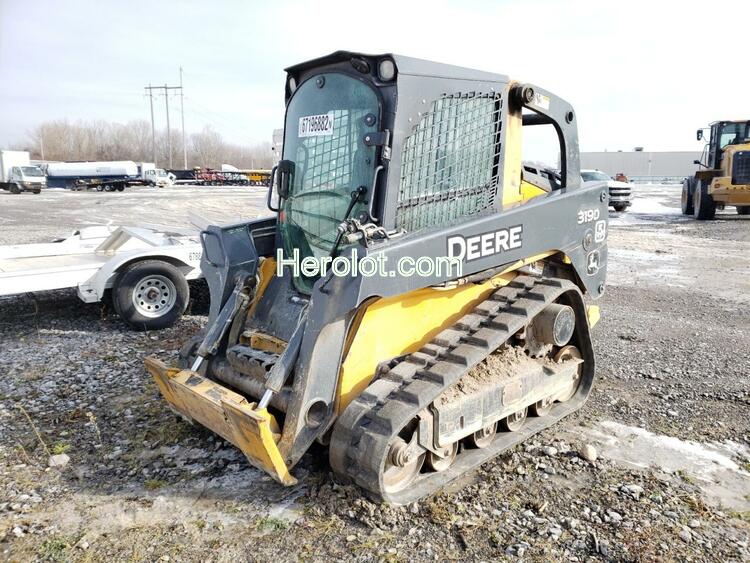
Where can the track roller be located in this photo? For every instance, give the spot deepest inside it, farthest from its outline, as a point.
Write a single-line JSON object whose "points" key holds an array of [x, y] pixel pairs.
{"points": [[437, 463], [514, 422], [483, 438]]}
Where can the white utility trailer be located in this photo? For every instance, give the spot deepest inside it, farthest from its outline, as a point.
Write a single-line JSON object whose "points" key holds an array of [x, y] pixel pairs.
{"points": [[146, 269]]}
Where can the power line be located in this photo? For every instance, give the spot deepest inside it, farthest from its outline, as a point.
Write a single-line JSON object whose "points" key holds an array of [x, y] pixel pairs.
{"points": [[166, 89], [182, 111], [153, 128]]}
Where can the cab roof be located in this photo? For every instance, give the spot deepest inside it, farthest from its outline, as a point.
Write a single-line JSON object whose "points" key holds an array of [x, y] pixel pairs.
{"points": [[405, 65]]}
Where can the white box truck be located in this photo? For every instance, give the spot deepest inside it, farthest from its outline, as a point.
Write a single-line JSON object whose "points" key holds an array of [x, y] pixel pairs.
{"points": [[17, 174], [150, 175]]}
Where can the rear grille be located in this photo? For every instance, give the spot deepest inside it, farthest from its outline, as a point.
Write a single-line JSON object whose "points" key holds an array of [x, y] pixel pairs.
{"points": [[741, 168], [449, 162], [619, 191]]}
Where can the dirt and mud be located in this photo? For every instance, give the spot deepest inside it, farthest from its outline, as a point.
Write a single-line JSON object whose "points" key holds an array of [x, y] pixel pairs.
{"points": [[656, 466]]}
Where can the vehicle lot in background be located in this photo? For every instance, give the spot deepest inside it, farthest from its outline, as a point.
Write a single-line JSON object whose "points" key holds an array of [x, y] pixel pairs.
{"points": [[620, 193], [141, 485]]}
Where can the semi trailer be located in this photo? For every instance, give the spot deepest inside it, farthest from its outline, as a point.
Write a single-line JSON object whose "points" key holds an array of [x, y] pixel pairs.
{"points": [[103, 176], [228, 176]]}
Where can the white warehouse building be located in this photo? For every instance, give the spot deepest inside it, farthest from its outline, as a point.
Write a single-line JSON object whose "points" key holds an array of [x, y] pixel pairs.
{"points": [[643, 166]]}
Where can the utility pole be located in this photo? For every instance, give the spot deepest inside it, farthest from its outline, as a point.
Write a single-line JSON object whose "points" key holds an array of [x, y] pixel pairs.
{"points": [[182, 111], [169, 132], [153, 127], [166, 89]]}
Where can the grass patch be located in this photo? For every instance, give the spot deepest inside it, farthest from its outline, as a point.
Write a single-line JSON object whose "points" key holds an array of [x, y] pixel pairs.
{"points": [[269, 524], [200, 524], [54, 549], [744, 516], [439, 513], [60, 448], [32, 375], [155, 484], [685, 477]]}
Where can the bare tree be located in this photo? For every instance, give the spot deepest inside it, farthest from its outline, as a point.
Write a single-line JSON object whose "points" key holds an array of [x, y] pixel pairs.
{"points": [[104, 140]]}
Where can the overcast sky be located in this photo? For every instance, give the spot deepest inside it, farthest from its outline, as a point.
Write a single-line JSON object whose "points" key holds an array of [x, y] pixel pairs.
{"points": [[639, 73]]}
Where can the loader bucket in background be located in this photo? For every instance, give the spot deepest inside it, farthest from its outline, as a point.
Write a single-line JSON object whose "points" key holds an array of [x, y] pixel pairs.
{"points": [[229, 414]]}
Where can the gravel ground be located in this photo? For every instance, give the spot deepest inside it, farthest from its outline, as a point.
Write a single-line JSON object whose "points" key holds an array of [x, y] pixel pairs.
{"points": [[656, 466]]}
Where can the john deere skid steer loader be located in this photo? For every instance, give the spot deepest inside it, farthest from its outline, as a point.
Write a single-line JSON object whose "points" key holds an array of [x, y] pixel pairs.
{"points": [[411, 374]]}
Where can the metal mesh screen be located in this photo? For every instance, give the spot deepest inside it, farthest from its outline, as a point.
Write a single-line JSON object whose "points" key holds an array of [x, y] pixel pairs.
{"points": [[449, 162], [326, 160]]}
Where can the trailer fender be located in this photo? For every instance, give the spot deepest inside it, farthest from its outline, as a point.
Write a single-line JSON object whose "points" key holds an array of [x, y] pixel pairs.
{"points": [[186, 258]]}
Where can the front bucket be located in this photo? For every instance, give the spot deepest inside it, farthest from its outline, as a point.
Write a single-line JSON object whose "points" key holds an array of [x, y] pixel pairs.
{"points": [[227, 413]]}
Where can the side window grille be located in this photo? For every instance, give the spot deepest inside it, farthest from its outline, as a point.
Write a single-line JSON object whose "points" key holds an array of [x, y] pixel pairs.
{"points": [[449, 162]]}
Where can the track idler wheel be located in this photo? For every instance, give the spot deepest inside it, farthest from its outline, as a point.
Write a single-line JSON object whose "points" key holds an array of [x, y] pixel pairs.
{"points": [[401, 468], [483, 438], [515, 421], [569, 353], [437, 463]]}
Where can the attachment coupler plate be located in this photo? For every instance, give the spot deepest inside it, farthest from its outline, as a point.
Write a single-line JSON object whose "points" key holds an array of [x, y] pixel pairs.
{"points": [[197, 398]]}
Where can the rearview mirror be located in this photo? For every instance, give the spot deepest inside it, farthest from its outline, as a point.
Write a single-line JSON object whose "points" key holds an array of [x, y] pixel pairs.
{"points": [[696, 162], [284, 178], [699, 134]]}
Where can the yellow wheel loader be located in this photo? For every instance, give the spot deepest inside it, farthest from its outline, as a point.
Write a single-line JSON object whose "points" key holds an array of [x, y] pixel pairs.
{"points": [[413, 303], [723, 177]]}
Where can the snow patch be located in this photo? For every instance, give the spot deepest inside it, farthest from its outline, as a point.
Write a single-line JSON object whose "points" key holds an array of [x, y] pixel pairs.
{"points": [[713, 466]]}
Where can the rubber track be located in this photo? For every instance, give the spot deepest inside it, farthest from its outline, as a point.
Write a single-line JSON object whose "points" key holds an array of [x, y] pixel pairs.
{"points": [[363, 433]]}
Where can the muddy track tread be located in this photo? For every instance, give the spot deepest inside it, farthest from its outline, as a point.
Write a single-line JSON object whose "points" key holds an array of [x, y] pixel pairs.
{"points": [[362, 436]]}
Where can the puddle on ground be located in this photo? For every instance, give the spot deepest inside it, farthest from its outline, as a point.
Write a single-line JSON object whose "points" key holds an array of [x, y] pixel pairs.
{"points": [[647, 209], [715, 467]]}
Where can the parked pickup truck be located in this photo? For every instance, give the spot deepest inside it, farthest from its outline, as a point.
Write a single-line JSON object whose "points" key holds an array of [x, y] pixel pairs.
{"points": [[18, 175], [619, 192]]}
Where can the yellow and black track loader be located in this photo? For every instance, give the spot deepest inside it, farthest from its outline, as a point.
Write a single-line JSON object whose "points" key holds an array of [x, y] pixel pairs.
{"points": [[723, 177], [450, 324]]}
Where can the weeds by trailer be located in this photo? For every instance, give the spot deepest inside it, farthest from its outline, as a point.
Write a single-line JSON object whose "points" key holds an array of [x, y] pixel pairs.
{"points": [[144, 270]]}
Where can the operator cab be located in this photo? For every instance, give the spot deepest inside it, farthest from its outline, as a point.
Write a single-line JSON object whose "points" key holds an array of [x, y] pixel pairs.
{"points": [[723, 134]]}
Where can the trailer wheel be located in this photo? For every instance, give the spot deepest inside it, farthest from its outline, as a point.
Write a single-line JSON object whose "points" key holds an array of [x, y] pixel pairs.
{"points": [[99, 188], [37, 192], [150, 294], [120, 188]]}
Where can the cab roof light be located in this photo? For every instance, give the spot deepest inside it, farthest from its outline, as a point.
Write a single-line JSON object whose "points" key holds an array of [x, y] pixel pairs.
{"points": [[386, 70]]}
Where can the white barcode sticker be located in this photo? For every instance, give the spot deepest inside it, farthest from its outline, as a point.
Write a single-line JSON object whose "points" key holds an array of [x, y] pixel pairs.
{"points": [[541, 101], [316, 125]]}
